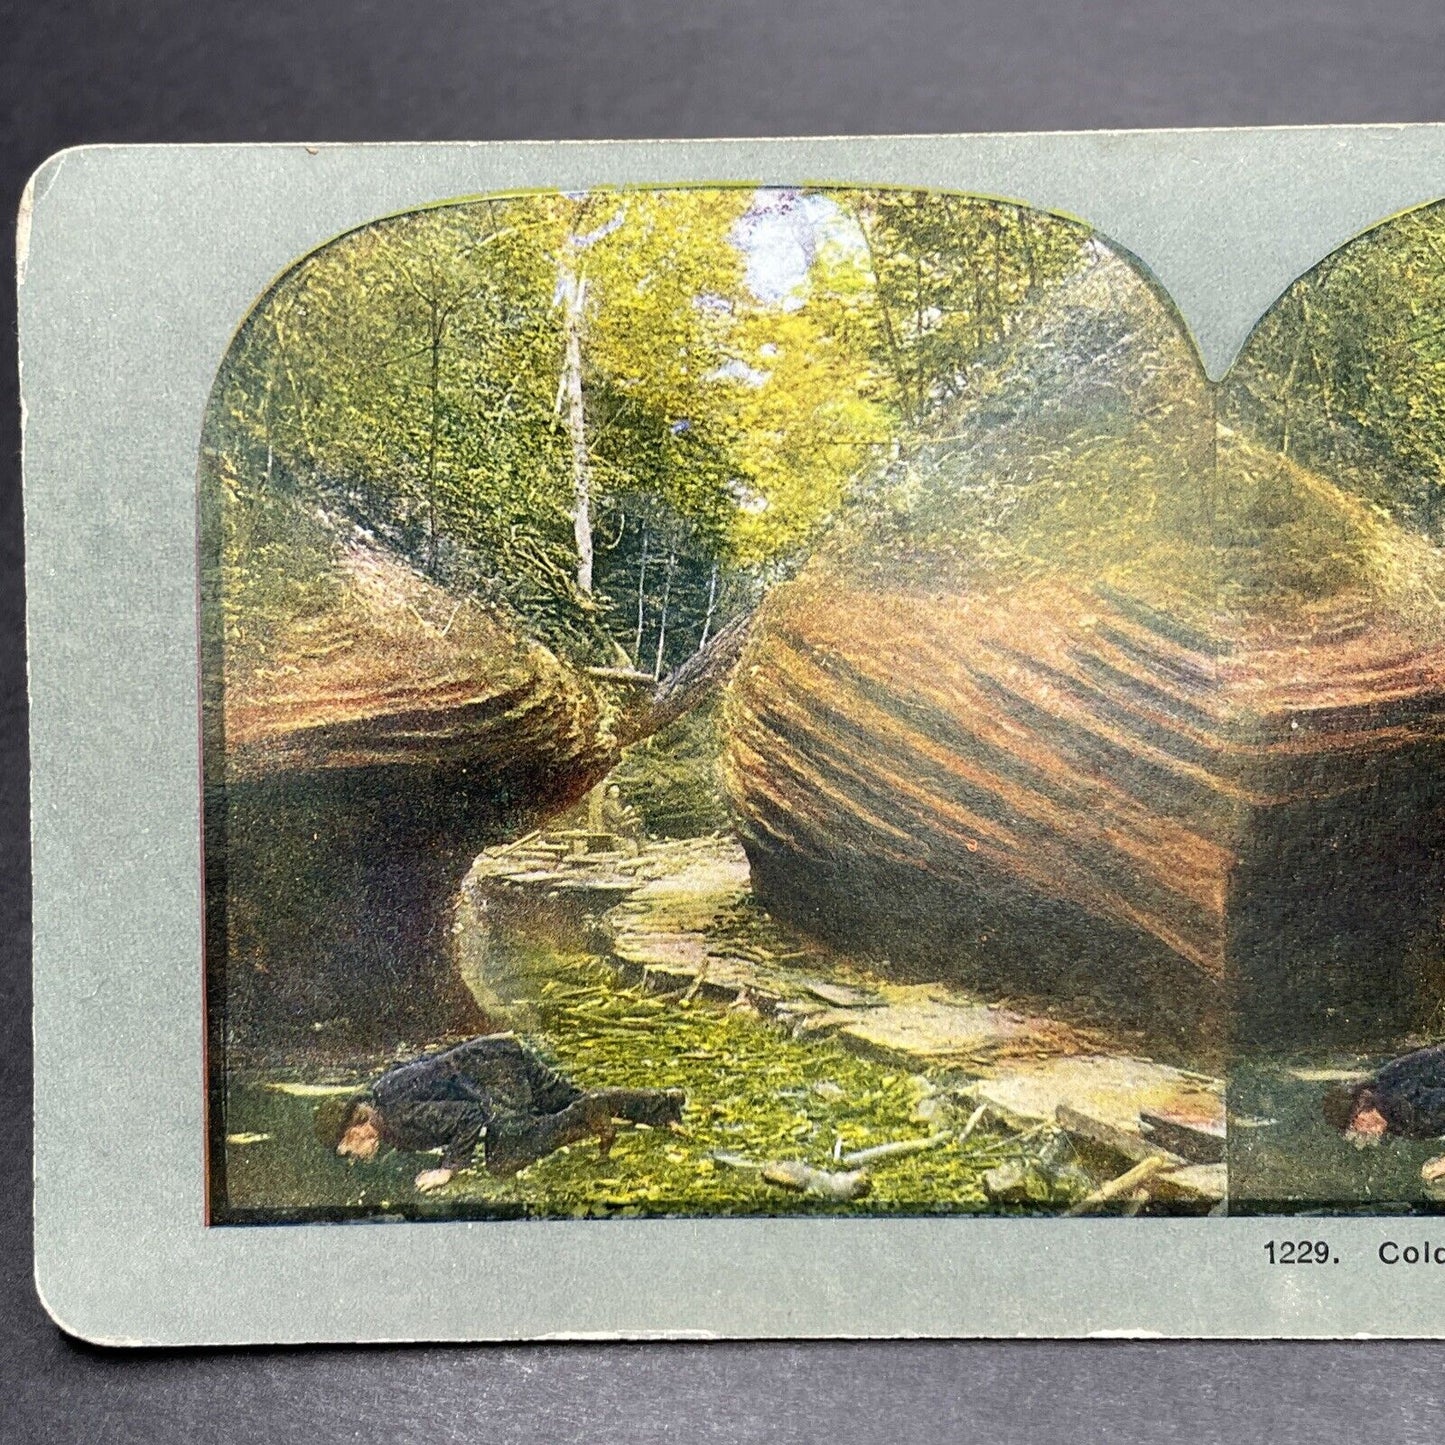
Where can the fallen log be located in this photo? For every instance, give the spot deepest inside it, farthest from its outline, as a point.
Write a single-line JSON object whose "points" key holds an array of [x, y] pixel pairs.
{"points": [[1199, 1142], [803, 1178], [820, 1183], [622, 674], [1111, 1137], [683, 688], [972, 1123]]}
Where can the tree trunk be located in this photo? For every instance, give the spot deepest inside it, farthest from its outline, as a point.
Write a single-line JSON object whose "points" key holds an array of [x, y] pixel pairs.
{"points": [[574, 292], [431, 448], [711, 606], [641, 598], [662, 621], [708, 669]]}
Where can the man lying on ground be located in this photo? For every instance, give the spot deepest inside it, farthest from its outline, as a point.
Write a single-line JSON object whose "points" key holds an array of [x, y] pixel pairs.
{"points": [[492, 1091], [1404, 1097]]}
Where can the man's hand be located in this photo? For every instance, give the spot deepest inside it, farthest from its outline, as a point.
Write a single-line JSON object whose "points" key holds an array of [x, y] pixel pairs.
{"points": [[430, 1179]]}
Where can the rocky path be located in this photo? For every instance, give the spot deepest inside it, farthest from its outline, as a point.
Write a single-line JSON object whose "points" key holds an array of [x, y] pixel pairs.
{"points": [[679, 916]]}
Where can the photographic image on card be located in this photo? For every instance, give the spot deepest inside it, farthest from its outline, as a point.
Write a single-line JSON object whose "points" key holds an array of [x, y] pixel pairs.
{"points": [[738, 700]]}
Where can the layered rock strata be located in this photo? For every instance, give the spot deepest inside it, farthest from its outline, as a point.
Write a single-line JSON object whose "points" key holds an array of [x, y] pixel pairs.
{"points": [[355, 765], [1105, 701]]}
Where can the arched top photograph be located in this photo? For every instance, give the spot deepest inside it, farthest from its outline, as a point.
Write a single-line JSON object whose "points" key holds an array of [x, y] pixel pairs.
{"points": [[735, 699]]}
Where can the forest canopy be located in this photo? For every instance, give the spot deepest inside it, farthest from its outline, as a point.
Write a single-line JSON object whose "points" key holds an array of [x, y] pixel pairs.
{"points": [[1346, 372], [618, 415]]}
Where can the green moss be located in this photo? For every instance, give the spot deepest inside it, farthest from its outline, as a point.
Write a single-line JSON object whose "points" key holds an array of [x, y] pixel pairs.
{"points": [[276, 568], [752, 1091]]}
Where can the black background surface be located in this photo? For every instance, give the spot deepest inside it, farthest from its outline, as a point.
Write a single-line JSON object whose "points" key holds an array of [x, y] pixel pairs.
{"points": [[508, 69]]}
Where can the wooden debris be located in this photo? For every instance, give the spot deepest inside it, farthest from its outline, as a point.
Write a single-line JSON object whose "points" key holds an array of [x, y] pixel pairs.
{"points": [[1198, 1141], [974, 1120], [803, 1178], [1111, 1137], [1127, 1184], [1194, 1183], [895, 1150], [622, 674], [842, 996], [820, 1183]]}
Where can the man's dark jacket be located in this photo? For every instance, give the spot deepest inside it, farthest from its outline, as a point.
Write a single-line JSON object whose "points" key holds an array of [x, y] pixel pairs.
{"points": [[492, 1087], [496, 1091]]}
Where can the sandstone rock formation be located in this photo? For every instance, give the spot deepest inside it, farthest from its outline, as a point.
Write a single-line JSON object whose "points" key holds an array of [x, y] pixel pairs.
{"points": [[357, 760], [1099, 698]]}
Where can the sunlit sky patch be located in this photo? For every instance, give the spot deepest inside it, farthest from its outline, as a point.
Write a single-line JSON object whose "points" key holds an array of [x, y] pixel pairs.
{"points": [[781, 234]]}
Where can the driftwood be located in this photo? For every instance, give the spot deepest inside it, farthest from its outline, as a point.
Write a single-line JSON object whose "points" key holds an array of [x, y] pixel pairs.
{"points": [[1128, 1184], [803, 1178], [898, 1149]]}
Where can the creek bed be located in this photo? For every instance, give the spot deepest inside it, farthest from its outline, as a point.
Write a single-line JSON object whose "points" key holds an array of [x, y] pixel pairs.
{"points": [[752, 1091]]}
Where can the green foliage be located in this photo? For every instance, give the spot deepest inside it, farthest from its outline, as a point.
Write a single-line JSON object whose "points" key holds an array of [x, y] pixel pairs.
{"points": [[1346, 374], [949, 277], [413, 376], [1082, 442], [752, 1092], [275, 566], [671, 779]]}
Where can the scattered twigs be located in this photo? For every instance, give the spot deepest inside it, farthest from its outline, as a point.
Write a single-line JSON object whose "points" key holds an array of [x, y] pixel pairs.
{"points": [[622, 674], [736, 1161], [897, 1149], [974, 1120], [1128, 1183], [794, 1174]]}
